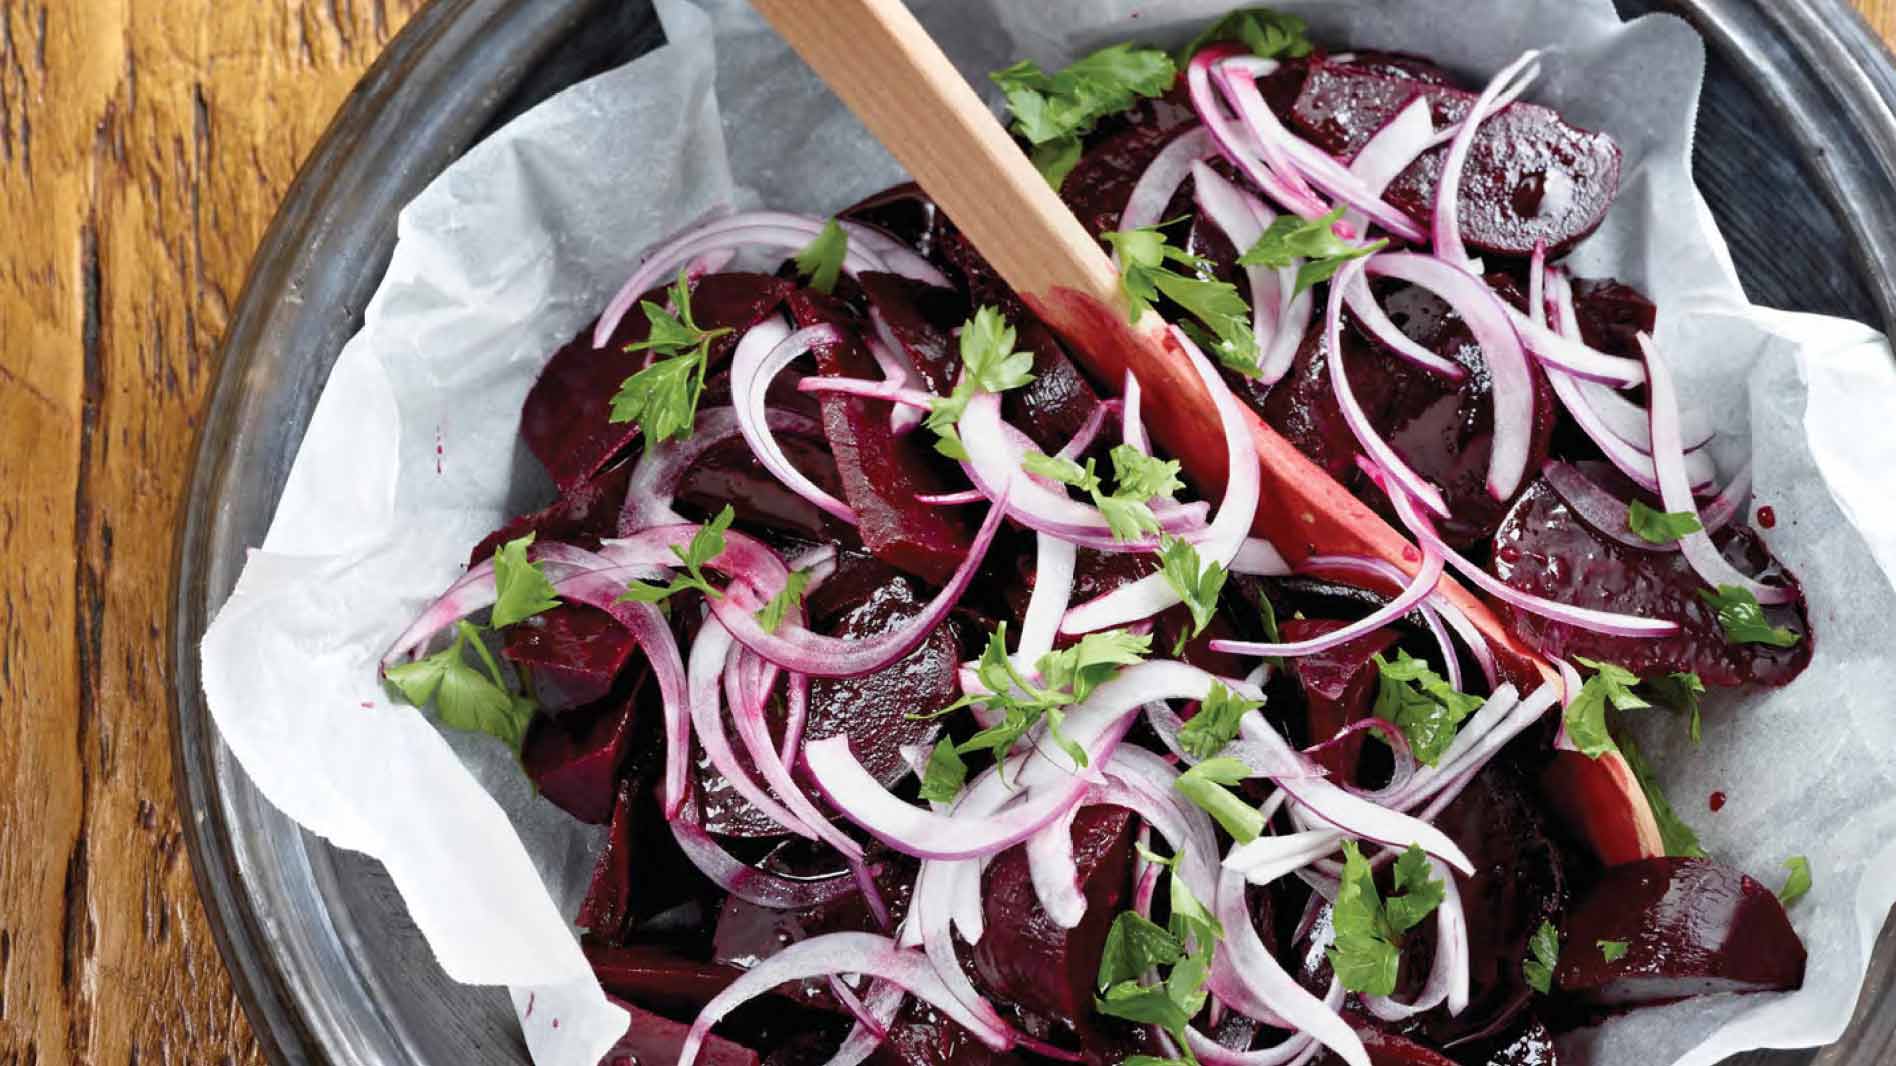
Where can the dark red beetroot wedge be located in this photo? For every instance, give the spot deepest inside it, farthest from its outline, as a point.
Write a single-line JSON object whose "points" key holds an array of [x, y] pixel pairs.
{"points": [[921, 1036], [1531, 177], [576, 764], [1027, 960], [1691, 927], [1306, 512], [1612, 315], [923, 318], [1544, 548], [1531, 1044], [1339, 686], [1388, 1049], [566, 421], [607, 908], [652, 1039], [1118, 153], [658, 978], [881, 472], [573, 653], [729, 473], [583, 515]]}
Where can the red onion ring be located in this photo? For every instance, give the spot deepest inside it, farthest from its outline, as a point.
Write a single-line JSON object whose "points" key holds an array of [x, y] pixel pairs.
{"points": [[1446, 231], [832, 953], [1131, 426], [1365, 567], [1273, 291], [1162, 177], [1220, 541], [656, 477], [1675, 489], [1486, 317], [747, 882], [1427, 576], [1600, 508], [1362, 303], [903, 398], [763, 353], [1623, 625], [1054, 563], [1260, 558], [1236, 144]]}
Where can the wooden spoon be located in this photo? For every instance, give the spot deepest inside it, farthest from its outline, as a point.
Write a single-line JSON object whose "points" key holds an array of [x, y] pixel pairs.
{"points": [[887, 69]]}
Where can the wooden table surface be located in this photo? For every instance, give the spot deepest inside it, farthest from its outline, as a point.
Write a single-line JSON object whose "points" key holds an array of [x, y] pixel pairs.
{"points": [[143, 149]]}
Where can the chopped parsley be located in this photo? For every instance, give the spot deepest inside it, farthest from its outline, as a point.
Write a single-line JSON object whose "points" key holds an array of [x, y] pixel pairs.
{"points": [[663, 397], [1139, 478], [1417, 700], [521, 590], [1612, 950], [945, 774], [821, 260], [1798, 883], [1224, 315], [1216, 723], [706, 544], [1586, 714], [1052, 111], [791, 595], [1265, 32], [1367, 954], [1660, 527], [1136, 947], [1743, 619], [1197, 583], [463, 696], [1207, 785], [1681, 692], [1679, 838], [1066, 677], [989, 363], [1543, 954], [1313, 242]]}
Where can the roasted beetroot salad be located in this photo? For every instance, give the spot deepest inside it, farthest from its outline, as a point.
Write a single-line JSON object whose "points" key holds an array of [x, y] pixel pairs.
{"points": [[935, 715]]}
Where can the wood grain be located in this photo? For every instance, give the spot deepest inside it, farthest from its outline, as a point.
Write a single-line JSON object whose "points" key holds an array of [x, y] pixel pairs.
{"points": [[144, 147]]}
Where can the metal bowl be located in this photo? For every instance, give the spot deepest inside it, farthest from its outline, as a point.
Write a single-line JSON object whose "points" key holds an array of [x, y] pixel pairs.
{"points": [[1796, 152]]}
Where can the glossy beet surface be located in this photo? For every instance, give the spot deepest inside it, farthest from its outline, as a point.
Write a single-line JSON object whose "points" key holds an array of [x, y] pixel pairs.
{"points": [[574, 760], [607, 908], [747, 934], [1339, 686], [1544, 548], [653, 1039], [1691, 927], [1024, 958], [1531, 178], [582, 515], [571, 653], [566, 421]]}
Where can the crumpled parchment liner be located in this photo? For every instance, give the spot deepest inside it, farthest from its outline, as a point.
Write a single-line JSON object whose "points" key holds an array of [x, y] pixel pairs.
{"points": [[412, 456]]}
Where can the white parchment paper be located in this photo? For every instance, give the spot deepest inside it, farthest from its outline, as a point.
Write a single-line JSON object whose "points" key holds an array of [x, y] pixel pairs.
{"points": [[412, 456]]}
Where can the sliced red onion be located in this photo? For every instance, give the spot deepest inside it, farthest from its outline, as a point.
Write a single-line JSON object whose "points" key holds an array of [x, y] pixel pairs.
{"points": [[1446, 231], [1626, 419], [1269, 858], [1243, 220], [1623, 625], [1089, 430], [1237, 76], [1362, 303], [883, 1004], [1221, 539], [798, 649], [761, 355], [1562, 349], [655, 480], [1400, 751], [1162, 178], [1353, 414], [745, 558], [857, 1009], [1054, 874], [1486, 316], [1054, 564], [1245, 959], [1427, 575], [1365, 567], [1675, 488], [1391, 149], [1234, 143], [1260, 558], [1500, 103], [897, 257], [995, 451], [858, 953], [1601, 509], [907, 399], [1262, 762], [1131, 426], [951, 499], [1448, 973], [747, 882], [898, 371], [705, 670], [1730, 503]]}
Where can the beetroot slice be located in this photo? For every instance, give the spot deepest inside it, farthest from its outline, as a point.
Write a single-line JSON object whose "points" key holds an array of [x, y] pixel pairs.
{"points": [[1612, 315], [881, 472], [922, 317], [729, 473], [574, 763], [653, 1038], [1544, 548], [1386, 1048], [922, 1036], [1531, 177], [1118, 152], [607, 908], [1024, 958], [582, 516], [565, 421], [574, 654], [1339, 687], [658, 978], [1691, 927]]}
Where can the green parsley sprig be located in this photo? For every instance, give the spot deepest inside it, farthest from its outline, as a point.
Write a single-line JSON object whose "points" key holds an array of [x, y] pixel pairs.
{"points": [[989, 363], [1367, 955], [1208, 786], [821, 260], [1418, 701], [1065, 677], [663, 397], [1543, 955], [770, 616], [463, 696], [945, 773], [1312, 243], [1053, 111], [1266, 33], [1217, 305], [1742, 618], [1660, 527], [1136, 948], [1216, 723], [1139, 478], [521, 590], [706, 544], [1198, 583]]}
